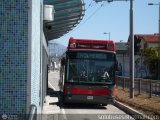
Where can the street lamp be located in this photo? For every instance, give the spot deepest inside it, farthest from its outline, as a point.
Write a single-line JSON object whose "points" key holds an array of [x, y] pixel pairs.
{"points": [[131, 51], [158, 37], [131, 38], [108, 34]]}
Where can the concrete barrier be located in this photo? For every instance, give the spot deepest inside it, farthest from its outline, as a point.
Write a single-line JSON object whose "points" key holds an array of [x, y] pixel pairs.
{"points": [[134, 113]]}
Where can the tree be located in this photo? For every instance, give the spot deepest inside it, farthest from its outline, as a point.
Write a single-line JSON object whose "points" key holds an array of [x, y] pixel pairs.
{"points": [[151, 55]]}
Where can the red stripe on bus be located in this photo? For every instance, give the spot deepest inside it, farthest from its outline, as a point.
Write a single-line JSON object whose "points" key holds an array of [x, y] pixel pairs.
{"points": [[99, 92]]}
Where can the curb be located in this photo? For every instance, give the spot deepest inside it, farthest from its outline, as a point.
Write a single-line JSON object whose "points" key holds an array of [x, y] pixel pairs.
{"points": [[49, 99], [134, 113]]}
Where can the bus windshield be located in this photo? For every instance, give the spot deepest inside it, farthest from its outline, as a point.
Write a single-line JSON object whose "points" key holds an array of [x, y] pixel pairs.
{"points": [[91, 67]]}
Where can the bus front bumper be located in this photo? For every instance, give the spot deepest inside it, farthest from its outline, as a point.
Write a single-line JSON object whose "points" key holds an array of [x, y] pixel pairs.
{"points": [[88, 99]]}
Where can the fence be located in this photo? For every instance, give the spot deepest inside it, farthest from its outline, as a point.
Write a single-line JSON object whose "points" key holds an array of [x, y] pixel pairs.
{"points": [[152, 87]]}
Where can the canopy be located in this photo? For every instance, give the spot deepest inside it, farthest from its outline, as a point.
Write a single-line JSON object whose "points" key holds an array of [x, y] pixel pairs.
{"points": [[68, 13]]}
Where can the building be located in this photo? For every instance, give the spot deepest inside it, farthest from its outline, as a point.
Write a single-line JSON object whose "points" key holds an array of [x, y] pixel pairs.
{"points": [[122, 58], [141, 41], [24, 36], [146, 40]]}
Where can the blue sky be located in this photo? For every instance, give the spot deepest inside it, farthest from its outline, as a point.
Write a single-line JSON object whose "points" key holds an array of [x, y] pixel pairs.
{"points": [[114, 18]]}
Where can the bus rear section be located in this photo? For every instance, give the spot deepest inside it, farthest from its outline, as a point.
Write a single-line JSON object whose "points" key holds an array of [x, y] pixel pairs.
{"points": [[89, 75], [88, 94]]}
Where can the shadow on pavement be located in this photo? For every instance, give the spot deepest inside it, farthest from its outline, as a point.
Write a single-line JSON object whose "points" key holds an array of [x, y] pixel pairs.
{"points": [[52, 93], [82, 106]]}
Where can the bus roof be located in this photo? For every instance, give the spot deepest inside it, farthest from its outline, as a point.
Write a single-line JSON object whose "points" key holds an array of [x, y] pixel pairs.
{"points": [[75, 44]]}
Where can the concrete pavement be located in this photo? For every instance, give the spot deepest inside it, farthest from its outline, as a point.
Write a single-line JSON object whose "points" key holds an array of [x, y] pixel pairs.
{"points": [[50, 108]]}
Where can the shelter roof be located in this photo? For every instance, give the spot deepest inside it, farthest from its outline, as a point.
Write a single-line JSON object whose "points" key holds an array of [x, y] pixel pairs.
{"points": [[68, 13]]}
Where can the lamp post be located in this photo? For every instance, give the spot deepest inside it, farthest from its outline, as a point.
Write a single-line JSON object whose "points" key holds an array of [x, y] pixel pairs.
{"points": [[108, 34], [131, 51], [158, 38]]}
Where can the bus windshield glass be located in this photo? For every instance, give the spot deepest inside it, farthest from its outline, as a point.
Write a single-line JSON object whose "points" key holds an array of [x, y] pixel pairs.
{"points": [[91, 67]]}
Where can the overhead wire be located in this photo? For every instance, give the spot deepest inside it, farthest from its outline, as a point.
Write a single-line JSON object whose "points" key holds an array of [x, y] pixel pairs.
{"points": [[89, 16], [92, 14]]}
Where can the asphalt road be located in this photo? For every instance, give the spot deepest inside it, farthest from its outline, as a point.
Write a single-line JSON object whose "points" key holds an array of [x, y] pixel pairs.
{"points": [[53, 78], [86, 112]]}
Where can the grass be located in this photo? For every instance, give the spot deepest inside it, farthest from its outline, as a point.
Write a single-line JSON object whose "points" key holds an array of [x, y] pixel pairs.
{"points": [[142, 103]]}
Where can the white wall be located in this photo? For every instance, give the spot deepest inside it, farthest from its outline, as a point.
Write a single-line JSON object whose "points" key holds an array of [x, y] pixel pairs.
{"points": [[34, 65], [140, 69]]}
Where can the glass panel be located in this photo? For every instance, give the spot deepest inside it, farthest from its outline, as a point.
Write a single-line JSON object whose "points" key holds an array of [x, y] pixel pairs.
{"points": [[91, 67]]}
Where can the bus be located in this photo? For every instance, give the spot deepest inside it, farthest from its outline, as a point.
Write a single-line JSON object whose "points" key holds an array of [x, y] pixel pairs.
{"points": [[87, 73]]}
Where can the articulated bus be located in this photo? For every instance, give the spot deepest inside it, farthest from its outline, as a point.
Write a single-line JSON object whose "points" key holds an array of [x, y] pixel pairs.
{"points": [[87, 73]]}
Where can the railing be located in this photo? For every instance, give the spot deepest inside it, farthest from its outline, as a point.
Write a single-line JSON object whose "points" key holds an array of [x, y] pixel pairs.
{"points": [[33, 113], [152, 87]]}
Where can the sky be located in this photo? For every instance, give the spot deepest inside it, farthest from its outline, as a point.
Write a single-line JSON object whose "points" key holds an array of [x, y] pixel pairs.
{"points": [[113, 18]]}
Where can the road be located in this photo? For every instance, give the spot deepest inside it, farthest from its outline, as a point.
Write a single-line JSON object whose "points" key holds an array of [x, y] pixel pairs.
{"points": [[53, 78], [86, 112]]}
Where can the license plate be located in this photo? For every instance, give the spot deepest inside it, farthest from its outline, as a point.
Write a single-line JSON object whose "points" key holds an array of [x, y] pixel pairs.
{"points": [[89, 97]]}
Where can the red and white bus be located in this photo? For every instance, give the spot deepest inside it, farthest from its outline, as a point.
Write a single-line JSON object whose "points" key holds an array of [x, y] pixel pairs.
{"points": [[87, 73]]}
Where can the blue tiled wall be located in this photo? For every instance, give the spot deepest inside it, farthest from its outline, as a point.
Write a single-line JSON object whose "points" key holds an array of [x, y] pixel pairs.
{"points": [[13, 57]]}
